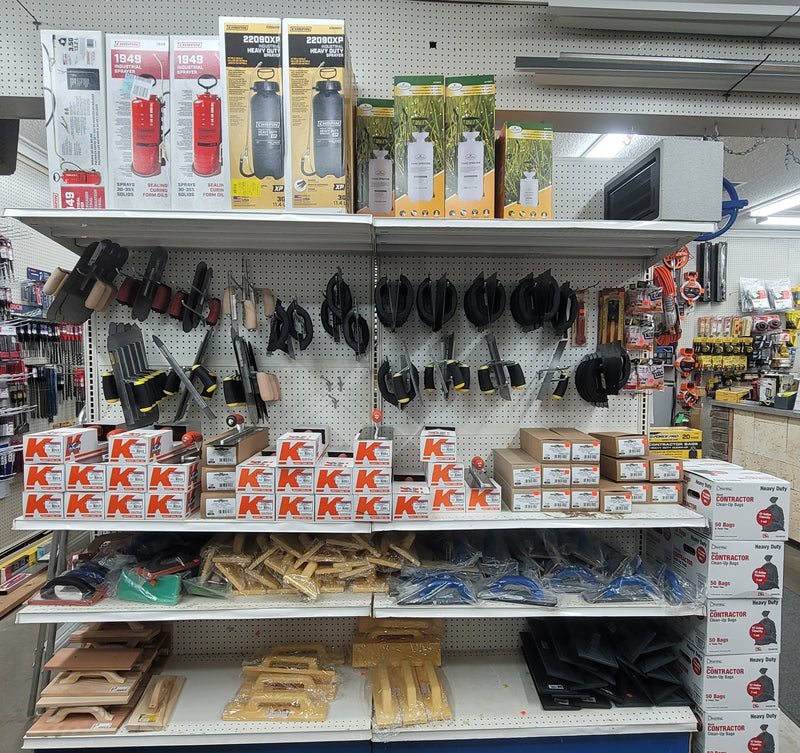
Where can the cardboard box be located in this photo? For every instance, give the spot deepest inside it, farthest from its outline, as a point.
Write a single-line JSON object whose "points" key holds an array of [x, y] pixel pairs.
{"points": [[253, 111], [518, 467], [172, 505], [520, 498], [585, 474], [139, 446], [127, 477], [556, 499], [585, 499], [469, 147], [731, 569], [295, 507], [438, 443], [736, 626], [412, 499], [231, 452], [125, 505], [740, 504], [485, 499], [545, 446], [584, 447], [86, 476], [138, 121], [369, 480], [374, 506], [59, 445], [218, 505], [42, 504], [255, 505], [664, 468], [218, 480], [371, 450], [334, 507], [666, 494], [737, 732], [618, 469], [198, 148], [334, 475], [294, 480], [174, 477], [618, 444], [732, 394], [303, 448], [45, 477], [75, 113], [736, 682], [375, 157], [448, 502], [524, 154], [419, 146], [445, 473], [640, 492], [84, 505], [556, 474], [615, 498], [708, 464], [676, 442], [319, 110]]}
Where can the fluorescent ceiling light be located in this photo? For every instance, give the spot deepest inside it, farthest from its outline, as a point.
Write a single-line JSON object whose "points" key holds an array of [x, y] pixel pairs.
{"points": [[610, 145], [775, 206], [779, 221]]}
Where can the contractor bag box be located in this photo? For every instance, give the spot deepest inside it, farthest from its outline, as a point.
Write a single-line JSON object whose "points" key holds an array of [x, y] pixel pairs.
{"points": [[736, 626], [75, 118], [737, 732], [677, 442]]}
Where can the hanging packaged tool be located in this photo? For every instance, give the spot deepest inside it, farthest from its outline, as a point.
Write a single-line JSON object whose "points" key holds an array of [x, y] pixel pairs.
{"points": [[436, 302], [198, 297], [484, 301], [603, 373], [208, 379], [686, 363], [568, 310], [177, 369], [446, 373], [337, 302], [394, 301], [356, 332], [535, 300], [150, 284], [554, 373], [691, 290], [496, 374]]}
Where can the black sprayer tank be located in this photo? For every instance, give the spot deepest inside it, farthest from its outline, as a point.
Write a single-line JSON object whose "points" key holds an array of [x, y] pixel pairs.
{"points": [[328, 118], [266, 124]]}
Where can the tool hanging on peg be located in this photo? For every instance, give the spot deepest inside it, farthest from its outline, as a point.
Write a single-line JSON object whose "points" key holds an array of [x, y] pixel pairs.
{"points": [[399, 387], [497, 375], [447, 373]]}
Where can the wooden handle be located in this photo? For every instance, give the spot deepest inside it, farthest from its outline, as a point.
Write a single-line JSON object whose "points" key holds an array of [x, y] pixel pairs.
{"points": [[249, 317], [226, 301], [70, 678], [276, 387], [97, 295], [410, 682], [160, 691], [300, 649], [55, 281], [382, 690], [264, 387], [98, 712], [269, 302], [394, 632], [290, 662], [279, 681]]}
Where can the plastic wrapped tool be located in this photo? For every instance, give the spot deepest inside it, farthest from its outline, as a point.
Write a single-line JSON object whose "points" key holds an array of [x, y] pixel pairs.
{"points": [[674, 589], [165, 590], [518, 589], [435, 587], [632, 587]]}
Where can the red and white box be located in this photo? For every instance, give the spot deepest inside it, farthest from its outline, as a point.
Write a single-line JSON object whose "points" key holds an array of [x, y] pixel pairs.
{"points": [[257, 474], [255, 505], [740, 504], [45, 477], [736, 626], [174, 477], [373, 506], [437, 443], [43, 505], [87, 477], [334, 507], [445, 473], [125, 505], [735, 682], [412, 500], [85, 505], [295, 506], [737, 732], [300, 448], [448, 501], [124, 477], [334, 475], [140, 446], [372, 480], [171, 505], [485, 498], [294, 480], [372, 450], [60, 445]]}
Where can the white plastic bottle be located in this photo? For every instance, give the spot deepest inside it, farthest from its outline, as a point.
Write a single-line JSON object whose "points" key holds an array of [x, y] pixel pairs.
{"points": [[529, 190], [420, 168], [470, 168], [380, 182]]}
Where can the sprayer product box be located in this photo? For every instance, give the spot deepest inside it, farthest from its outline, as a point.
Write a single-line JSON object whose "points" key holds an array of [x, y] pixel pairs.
{"points": [[75, 113], [583, 447], [524, 154], [437, 443], [740, 504], [736, 626], [444, 473], [419, 188], [59, 445], [125, 505], [469, 151], [333, 506], [45, 477], [197, 140], [369, 480], [139, 446], [42, 504], [255, 506], [252, 108], [448, 501], [730, 569], [319, 111], [737, 732], [375, 157], [373, 506], [295, 506], [138, 121], [736, 682], [517, 468], [85, 505]]}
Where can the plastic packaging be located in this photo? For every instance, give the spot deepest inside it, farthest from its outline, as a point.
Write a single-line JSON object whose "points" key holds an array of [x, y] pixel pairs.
{"points": [[165, 590], [780, 294], [408, 694], [213, 588], [753, 296], [429, 586], [519, 589]]}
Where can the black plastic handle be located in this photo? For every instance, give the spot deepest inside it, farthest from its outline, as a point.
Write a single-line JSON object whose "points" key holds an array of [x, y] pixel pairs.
{"points": [[485, 380], [516, 375], [233, 391]]}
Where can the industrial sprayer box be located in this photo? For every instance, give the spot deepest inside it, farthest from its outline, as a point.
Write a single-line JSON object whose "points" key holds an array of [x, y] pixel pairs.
{"points": [[319, 109], [196, 147], [419, 146], [375, 157], [138, 121], [524, 174], [252, 106], [75, 118], [469, 147]]}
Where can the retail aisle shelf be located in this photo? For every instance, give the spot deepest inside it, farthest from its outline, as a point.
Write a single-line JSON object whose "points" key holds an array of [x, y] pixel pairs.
{"points": [[492, 696], [643, 516], [569, 605], [197, 719], [192, 525], [201, 608]]}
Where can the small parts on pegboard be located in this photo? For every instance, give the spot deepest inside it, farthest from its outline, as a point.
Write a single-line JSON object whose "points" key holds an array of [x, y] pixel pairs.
{"points": [[61, 344], [643, 304]]}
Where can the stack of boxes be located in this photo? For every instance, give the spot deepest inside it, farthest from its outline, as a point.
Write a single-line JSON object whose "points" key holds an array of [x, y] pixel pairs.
{"points": [[730, 658]]}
